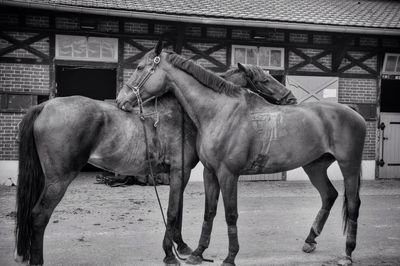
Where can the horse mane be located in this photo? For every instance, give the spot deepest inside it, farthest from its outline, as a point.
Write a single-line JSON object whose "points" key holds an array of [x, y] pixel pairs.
{"points": [[229, 72], [256, 72], [204, 76]]}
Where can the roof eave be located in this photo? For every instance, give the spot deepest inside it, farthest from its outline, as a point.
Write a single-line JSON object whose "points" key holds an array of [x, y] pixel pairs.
{"points": [[207, 20]]}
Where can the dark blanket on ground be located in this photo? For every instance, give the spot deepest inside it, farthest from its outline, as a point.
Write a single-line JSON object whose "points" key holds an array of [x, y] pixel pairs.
{"points": [[113, 180]]}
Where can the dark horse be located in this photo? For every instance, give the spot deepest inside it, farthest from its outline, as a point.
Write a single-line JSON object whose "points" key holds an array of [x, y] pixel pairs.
{"points": [[238, 133], [58, 137]]}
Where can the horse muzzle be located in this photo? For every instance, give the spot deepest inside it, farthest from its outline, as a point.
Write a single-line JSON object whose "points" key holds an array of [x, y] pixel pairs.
{"points": [[126, 105]]}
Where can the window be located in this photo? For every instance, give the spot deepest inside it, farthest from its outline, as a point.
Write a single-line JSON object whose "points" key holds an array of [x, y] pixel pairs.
{"points": [[19, 101], [265, 57], [86, 48], [391, 65]]}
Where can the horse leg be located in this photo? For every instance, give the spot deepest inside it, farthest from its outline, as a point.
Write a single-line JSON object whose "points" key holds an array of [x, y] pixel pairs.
{"points": [[52, 193], [183, 248], [174, 216], [211, 188], [317, 172], [228, 184], [351, 171]]}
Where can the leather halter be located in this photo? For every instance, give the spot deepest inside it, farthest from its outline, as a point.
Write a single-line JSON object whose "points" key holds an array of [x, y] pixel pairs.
{"points": [[137, 89], [256, 89]]}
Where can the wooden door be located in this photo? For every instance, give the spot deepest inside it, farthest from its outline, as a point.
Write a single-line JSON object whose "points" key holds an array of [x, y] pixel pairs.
{"points": [[389, 161], [311, 89]]}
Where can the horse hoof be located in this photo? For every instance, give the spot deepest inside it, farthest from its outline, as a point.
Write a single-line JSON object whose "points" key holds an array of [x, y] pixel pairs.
{"points": [[185, 251], [227, 264], [345, 261], [194, 260], [309, 247], [171, 261]]}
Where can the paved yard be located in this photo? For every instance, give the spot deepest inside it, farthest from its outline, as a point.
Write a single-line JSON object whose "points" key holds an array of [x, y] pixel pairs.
{"points": [[99, 225]]}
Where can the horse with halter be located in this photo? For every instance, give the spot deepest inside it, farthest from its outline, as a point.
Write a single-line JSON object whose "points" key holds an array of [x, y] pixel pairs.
{"points": [[238, 133], [58, 137]]}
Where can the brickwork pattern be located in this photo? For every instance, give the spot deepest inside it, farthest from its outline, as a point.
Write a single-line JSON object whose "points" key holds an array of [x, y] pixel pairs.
{"points": [[108, 26], [8, 136], [193, 31], [322, 39], [42, 45], [37, 21], [368, 41], [216, 32], [371, 62], [294, 59], [241, 34], [298, 37], [71, 23], [24, 78], [163, 28], [9, 18], [370, 141], [220, 55], [353, 90], [135, 27]]}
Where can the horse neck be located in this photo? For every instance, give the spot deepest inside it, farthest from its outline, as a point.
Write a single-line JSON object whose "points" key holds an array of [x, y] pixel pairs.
{"points": [[202, 104]]}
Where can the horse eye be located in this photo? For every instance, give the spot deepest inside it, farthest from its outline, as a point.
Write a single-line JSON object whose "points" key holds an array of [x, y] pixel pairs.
{"points": [[140, 67]]}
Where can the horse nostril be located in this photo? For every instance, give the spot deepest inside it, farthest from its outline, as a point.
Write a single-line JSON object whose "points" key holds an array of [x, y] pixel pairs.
{"points": [[127, 107]]}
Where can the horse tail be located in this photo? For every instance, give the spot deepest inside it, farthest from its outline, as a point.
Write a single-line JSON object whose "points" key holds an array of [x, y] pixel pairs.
{"points": [[30, 183], [345, 211]]}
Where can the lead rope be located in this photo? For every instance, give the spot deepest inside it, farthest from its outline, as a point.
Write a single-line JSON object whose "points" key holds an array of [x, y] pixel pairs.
{"points": [[142, 118], [136, 91]]}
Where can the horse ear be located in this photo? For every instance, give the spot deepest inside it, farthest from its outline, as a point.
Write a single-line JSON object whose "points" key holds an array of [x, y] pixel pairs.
{"points": [[243, 68], [158, 47]]}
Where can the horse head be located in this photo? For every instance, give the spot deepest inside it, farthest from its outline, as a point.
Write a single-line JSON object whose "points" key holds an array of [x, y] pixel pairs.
{"points": [[148, 81], [262, 83]]}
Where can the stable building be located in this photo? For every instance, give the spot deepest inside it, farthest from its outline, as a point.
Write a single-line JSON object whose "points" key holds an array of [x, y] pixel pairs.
{"points": [[342, 51]]}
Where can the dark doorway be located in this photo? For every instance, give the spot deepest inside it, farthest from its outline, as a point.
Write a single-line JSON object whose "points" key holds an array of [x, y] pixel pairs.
{"points": [[389, 95], [95, 83]]}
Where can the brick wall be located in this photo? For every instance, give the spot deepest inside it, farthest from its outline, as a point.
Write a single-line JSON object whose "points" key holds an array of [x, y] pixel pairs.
{"points": [[352, 90], [294, 59], [220, 55], [24, 78], [370, 141], [8, 135], [18, 78], [42, 45], [371, 62], [35, 78]]}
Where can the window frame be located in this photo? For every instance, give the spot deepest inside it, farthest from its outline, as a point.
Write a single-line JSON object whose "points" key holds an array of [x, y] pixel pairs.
{"points": [[282, 49], [397, 55], [5, 95], [87, 58]]}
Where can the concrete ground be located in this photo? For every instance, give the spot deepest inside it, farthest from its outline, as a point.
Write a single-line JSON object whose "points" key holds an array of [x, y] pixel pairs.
{"points": [[99, 225]]}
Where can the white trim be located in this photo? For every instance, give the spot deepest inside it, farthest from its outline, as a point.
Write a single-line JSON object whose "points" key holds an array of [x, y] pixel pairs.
{"points": [[282, 50], [9, 169], [114, 41], [396, 65]]}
